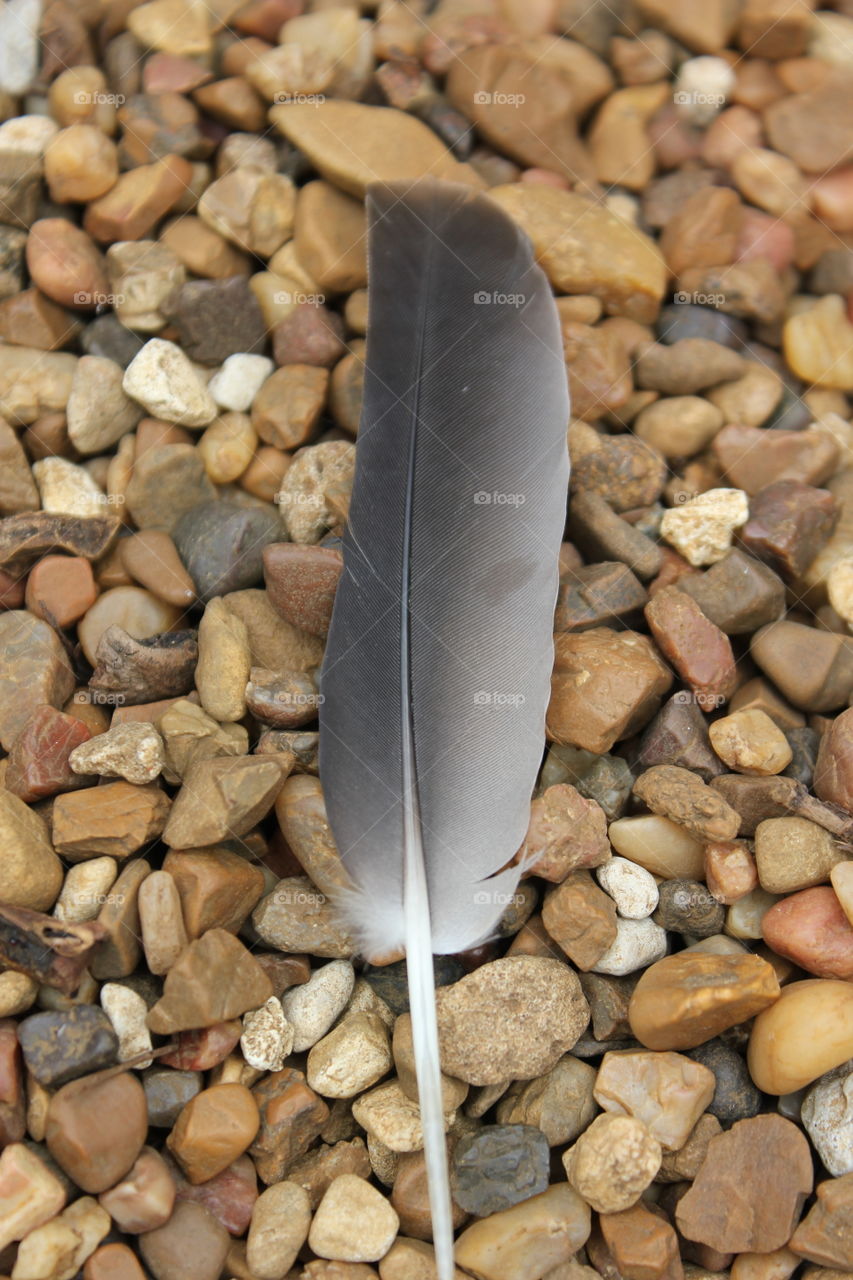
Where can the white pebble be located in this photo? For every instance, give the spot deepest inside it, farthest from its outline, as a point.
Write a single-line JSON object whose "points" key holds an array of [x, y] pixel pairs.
{"points": [[702, 529], [241, 377], [827, 1113], [128, 1013], [267, 1036], [312, 1007], [133, 751], [85, 890], [638, 943], [27, 135], [162, 379], [702, 87], [351, 1058], [19, 44], [631, 887], [67, 489]]}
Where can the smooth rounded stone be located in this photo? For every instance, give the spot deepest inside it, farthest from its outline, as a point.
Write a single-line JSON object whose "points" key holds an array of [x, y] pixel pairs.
{"points": [[682, 797], [133, 751], [168, 481], [162, 379], [60, 1247], [64, 264], [824, 1234], [313, 1007], [113, 1262], [192, 1242], [32, 1194], [59, 1047], [17, 993], [612, 1162], [701, 529], [499, 1166], [735, 1096], [136, 611], [815, 342], [833, 778], [206, 1047], [638, 943], [811, 929], [528, 1240], [215, 319], [688, 906], [85, 890], [96, 1127], [353, 1222], [296, 917], [659, 845], [305, 497], [267, 1037], [301, 583], [351, 1058], [392, 1118], [214, 1128], [806, 1033], [793, 854], [220, 544], [749, 1192], [151, 558], [60, 589], [749, 742], [235, 385], [228, 446], [841, 877], [279, 1228], [127, 1011], [167, 1092], [827, 1115], [686, 366], [678, 426], [161, 922], [453, 1092], [229, 1196], [698, 650], [686, 999], [666, 1091], [224, 662], [98, 411], [813, 669], [145, 1198], [745, 917], [631, 887]]}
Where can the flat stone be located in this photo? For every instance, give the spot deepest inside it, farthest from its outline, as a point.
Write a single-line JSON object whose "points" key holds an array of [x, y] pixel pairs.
{"points": [[598, 595], [813, 669], [753, 458], [216, 319], [812, 929], [738, 594], [116, 820], [734, 1205], [224, 662], [224, 798], [531, 1238], [700, 652], [215, 978], [168, 482], [297, 917], [28, 536], [59, 1047], [167, 1093], [484, 1037], [686, 999], [789, 523], [31, 872], [301, 583], [96, 1126], [221, 545], [38, 762], [601, 534], [581, 919], [661, 846], [667, 1092]]}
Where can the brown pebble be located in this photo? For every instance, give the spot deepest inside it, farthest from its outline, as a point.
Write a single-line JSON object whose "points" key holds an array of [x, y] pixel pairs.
{"points": [[704, 231], [38, 762], [96, 1127], [753, 458], [789, 523], [700, 652], [218, 889], [738, 594], [65, 264], [685, 799], [292, 1116], [288, 406], [749, 742], [213, 980], [192, 1243], [642, 1243], [60, 589], [144, 1198], [833, 777], [622, 469], [825, 1234], [601, 534], [113, 1262], [598, 595], [138, 200], [581, 919], [152, 560], [566, 831], [813, 669], [116, 819], [311, 334], [301, 582], [811, 929], [214, 1128]]}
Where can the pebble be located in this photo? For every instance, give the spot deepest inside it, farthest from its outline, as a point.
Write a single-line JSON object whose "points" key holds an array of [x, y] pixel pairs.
{"points": [[145, 1197], [301, 583], [224, 662], [98, 411], [66, 489], [735, 1096], [138, 200], [96, 1128], [749, 742], [30, 873], [818, 677], [631, 887], [600, 534], [215, 978], [305, 496], [793, 854], [700, 652], [606, 685], [702, 528], [827, 1115], [163, 381], [682, 797], [278, 1230], [113, 1262], [637, 944], [738, 594], [31, 1193], [192, 1240], [688, 907], [781, 1059], [215, 319], [659, 845], [351, 1058], [685, 999], [151, 559], [202, 1049], [753, 460], [139, 613], [312, 1008], [224, 798], [528, 1240], [167, 1093], [61, 588], [85, 887], [353, 1222], [227, 447], [292, 1117], [581, 919], [217, 888], [392, 1118], [823, 1236], [749, 1192], [297, 917], [665, 1091], [38, 761], [251, 208], [115, 820], [220, 545], [499, 1166], [214, 1128], [64, 264], [621, 469], [59, 1047], [790, 522], [816, 344], [686, 366], [560, 1102], [127, 1011], [235, 386], [131, 751], [59, 1248], [267, 1037], [678, 426], [612, 1162], [811, 929], [167, 482]]}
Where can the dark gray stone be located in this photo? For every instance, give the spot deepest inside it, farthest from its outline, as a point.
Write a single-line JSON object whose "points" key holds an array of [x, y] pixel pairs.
{"points": [[735, 1097], [218, 318], [60, 1046], [391, 984], [679, 735], [106, 336], [688, 320], [804, 743], [167, 1092], [688, 906], [221, 545], [499, 1166]]}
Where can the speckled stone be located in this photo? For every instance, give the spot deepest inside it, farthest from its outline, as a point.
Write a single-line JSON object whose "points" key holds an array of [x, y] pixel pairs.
{"points": [[498, 1166], [735, 1097], [60, 1046], [688, 906]]}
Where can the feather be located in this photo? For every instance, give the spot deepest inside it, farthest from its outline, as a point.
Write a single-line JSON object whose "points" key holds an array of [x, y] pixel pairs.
{"points": [[436, 676]]}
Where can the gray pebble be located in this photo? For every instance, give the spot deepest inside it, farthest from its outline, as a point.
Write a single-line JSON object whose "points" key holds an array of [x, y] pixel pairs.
{"points": [[499, 1166], [220, 545], [60, 1046], [688, 906], [735, 1097]]}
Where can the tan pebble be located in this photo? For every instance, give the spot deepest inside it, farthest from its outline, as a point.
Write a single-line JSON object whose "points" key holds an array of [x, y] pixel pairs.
{"points": [[730, 870], [560, 1103], [776, 1265], [163, 934], [678, 426], [702, 529], [98, 413], [138, 200], [749, 742], [353, 1223], [214, 1128], [17, 993], [807, 1032], [526, 1241], [224, 662], [85, 889], [217, 888], [267, 1037], [143, 276], [683, 1165], [215, 979], [151, 558], [163, 381], [127, 1011], [793, 853], [131, 751], [453, 1092], [279, 1228], [329, 237], [81, 95], [191, 1232], [136, 611], [96, 1127], [842, 882], [818, 344], [667, 1091], [30, 873], [67, 489], [351, 1058], [228, 446], [31, 1194], [659, 845], [144, 1198], [389, 1115], [250, 208], [612, 1162], [682, 796], [60, 1247], [264, 474], [744, 917], [80, 164]]}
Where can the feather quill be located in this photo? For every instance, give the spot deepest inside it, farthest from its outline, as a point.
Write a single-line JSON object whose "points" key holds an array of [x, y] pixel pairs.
{"points": [[436, 676]]}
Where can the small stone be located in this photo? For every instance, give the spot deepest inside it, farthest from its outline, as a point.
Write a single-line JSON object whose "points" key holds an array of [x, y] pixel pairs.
{"points": [[168, 482], [214, 1128], [686, 366], [606, 685], [132, 673], [560, 1102], [310, 335], [235, 386], [60, 1247], [685, 999], [301, 583], [823, 1236], [789, 524], [130, 751], [221, 544], [738, 594], [601, 534], [305, 499], [353, 1223], [31, 1194], [127, 1011], [96, 1127], [214, 979], [665, 1091], [661, 846], [113, 1262], [811, 929], [581, 919], [313, 1007], [288, 406], [292, 1116], [637, 944], [251, 208], [216, 319], [621, 469], [700, 652], [151, 558], [227, 447], [832, 780], [499, 1166], [167, 1093], [750, 399], [734, 1204], [279, 1228], [566, 832], [229, 1196], [816, 344], [224, 662], [98, 411], [297, 917], [730, 870], [528, 1240], [678, 426], [749, 742], [267, 1037], [813, 669], [145, 1197], [781, 1059], [677, 794], [640, 1241], [793, 854], [115, 819], [65, 265], [204, 1048], [31, 874], [164, 382], [598, 595], [224, 798], [827, 1116], [138, 200], [612, 1162], [38, 762], [139, 614], [61, 589], [754, 458], [217, 888], [85, 890], [701, 529], [688, 907], [351, 1058], [391, 1118], [678, 735], [735, 1096], [59, 1047], [192, 1238], [484, 1038]]}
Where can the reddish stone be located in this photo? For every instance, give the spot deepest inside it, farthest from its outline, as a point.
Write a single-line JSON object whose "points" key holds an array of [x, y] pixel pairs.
{"points": [[642, 1243], [11, 591], [200, 1050], [762, 236], [301, 582], [60, 589], [292, 1116], [113, 1262], [789, 522], [230, 1195], [700, 652], [672, 568], [12, 1101], [753, 457], [38, 758], [811, 929], [309, 335], [264, 18], [169, 73], [566, 832]]}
